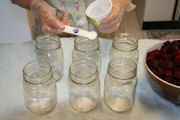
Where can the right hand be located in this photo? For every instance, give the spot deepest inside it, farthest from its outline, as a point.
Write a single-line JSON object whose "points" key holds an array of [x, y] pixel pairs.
{"points": [[47, 17]]}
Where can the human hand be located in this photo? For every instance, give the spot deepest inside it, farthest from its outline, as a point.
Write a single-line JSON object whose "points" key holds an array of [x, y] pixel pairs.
{"points": [[112, 22], [47, 17]]}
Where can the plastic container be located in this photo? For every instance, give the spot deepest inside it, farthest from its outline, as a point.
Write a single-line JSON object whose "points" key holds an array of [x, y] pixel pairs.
{"points": [[98, 10]]}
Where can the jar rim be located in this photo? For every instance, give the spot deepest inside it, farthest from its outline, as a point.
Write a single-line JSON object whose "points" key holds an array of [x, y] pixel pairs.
{"points": [[95, 73], [111, 69], [83, 38], [125, 35], [45, 36], [124, 38], [45, 75]]}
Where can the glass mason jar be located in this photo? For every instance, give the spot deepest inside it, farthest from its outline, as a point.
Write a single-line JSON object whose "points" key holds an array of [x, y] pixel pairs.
{"points": [[39, 87], [84, 85], [85, 48], [48, 49], [120, 84], [126, 46]]}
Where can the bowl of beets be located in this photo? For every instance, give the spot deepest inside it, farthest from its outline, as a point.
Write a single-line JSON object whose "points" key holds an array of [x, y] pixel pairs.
{"points": [[162, 63]]}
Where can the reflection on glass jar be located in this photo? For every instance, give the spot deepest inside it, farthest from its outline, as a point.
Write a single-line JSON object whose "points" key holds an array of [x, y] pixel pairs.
{"points": [[48, 49], [85, 48], [39, 87], [84, 85], [120, 84], [125, 45]]}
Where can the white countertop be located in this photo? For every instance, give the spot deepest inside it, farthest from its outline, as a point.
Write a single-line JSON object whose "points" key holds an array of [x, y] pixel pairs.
{"points": [[13, 57]]}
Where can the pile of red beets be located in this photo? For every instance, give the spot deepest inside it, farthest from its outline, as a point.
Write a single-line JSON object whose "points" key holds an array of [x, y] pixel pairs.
{"points": [[165, 62]]}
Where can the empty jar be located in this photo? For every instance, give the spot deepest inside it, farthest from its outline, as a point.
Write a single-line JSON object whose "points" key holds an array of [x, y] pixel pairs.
{"points": [[48, 49], [84, 85], [85, 48], [126, 46], [120, 84], [39, 87]]}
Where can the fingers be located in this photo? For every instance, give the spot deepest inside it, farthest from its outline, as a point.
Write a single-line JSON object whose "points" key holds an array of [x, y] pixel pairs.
{"points": [[52, 25], [47, 16], [49, 29], [67, 22], [110, 26], [64, 17], [112, 16], [61, 15], [112, 22], [111, 29], [53, 21], [109, 19]]}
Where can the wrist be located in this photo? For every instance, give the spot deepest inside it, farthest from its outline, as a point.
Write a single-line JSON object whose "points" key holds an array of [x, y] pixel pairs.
{"points": [[126, 5], [121, 3], [40, 4], [23, 3]]}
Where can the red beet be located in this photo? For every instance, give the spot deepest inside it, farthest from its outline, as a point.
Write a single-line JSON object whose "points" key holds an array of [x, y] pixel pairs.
{"points": [[177, 59], [156, 53], [165, 62], [177, 74], [164, 49], [169, 79], [168, 73], [161, 71], [178, 52], [164, 56]]}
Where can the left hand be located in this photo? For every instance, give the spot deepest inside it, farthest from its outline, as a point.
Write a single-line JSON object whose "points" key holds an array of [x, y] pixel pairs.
{"points": [[112, 22]]}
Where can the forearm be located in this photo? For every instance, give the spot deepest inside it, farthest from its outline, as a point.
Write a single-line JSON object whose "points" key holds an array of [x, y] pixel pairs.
{"points": [[125, 2], [127, 5], [23, 3]]}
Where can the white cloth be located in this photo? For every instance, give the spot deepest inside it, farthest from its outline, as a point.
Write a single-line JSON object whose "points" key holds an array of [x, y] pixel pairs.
{"points": [[147, 105]]}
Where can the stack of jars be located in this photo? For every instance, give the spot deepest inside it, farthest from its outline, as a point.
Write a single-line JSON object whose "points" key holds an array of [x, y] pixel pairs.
{"points": [[40, 76], [84, 83], [121, 79]]}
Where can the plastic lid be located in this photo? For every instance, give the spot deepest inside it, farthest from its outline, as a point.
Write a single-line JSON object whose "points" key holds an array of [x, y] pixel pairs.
{"points": [[99, 9]]}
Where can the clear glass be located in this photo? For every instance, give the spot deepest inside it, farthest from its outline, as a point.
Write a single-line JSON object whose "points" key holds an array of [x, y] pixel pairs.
{"points": [[85, 48], [126, 46], [120, 84], [39, 87], [84, 85], [48, 49]]}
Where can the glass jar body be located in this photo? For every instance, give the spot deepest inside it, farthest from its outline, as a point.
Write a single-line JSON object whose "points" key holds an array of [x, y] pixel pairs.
{"points": [[87, 49], [84, 86], [133, 54], [119, 97], [48, 49], [39, 88], [120, 85], [125, 46]]}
